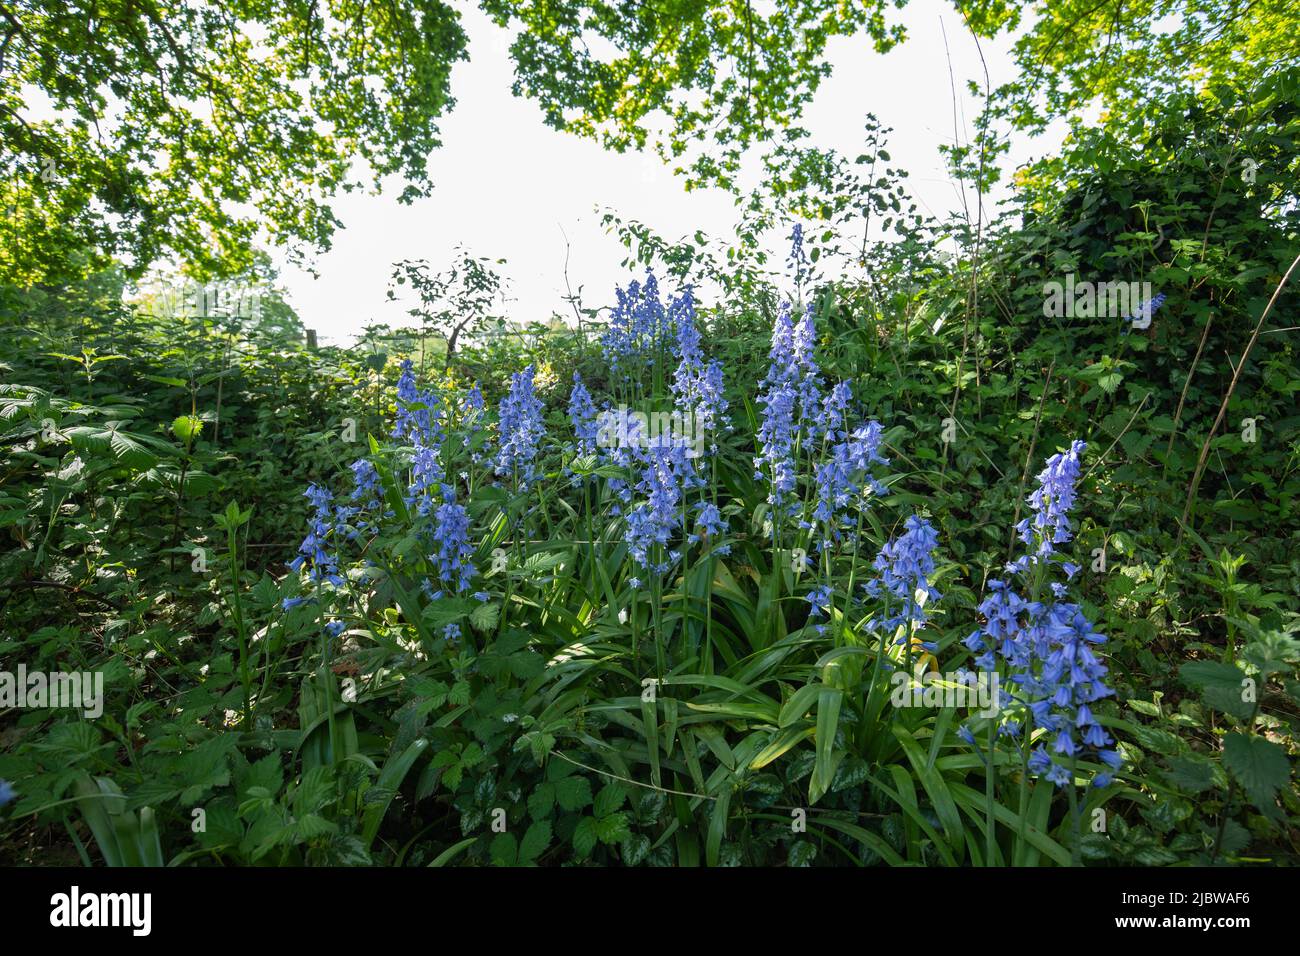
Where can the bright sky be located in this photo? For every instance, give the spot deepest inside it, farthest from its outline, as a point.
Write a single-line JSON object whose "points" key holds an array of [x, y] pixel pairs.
{"points": [[510, 187]]}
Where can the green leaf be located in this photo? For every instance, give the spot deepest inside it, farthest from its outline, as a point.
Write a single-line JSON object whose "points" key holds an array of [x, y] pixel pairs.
{"points": [[187, 427], [585, 836], [1221, 686], [484, 617], [504, 849], [535, 841], [1259, 765], [609, 799], [1191, 774], [612, 829], [573, 793]]}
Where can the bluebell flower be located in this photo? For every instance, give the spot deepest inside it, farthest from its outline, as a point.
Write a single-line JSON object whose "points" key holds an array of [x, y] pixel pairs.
{"points": [[366, 490], [471, 415], [819, 598], [655, 520], [797, 258], [710, 519], [7, 794], [365, 480], [426, 479], [520, 429], [639, 326], [843, 475], [778, 431], [417, 411], [582, 413], [904, 567], [451, 540], [791, 400], [451, 633], [711, 407], [803, 343], [776, 441], [335, 628], [1051, 502], [835, 411], [1147, 309], [1048, 647], [313, 553]]}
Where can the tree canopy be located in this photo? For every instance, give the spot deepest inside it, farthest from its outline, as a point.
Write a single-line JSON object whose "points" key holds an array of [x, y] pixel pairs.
{"points": [[142, 129]]}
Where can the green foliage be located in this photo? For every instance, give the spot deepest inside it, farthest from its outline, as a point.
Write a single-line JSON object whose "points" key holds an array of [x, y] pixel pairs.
{"points": [[563, 711], [173, 116]]}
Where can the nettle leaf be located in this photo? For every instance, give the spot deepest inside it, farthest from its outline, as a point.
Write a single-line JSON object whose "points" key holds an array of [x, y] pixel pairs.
{"points": [[1158, 741], [1191, 774], [1221, 686], [1260, 766], [1273, 652], [459, 694]]}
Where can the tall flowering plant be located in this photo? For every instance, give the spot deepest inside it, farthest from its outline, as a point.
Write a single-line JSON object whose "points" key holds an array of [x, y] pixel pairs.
{"points": [[415, 489], [1045, 648]]}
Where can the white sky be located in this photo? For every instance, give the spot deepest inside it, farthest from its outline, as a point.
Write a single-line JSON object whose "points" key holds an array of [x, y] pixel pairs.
{"points": [[506, 184]]}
